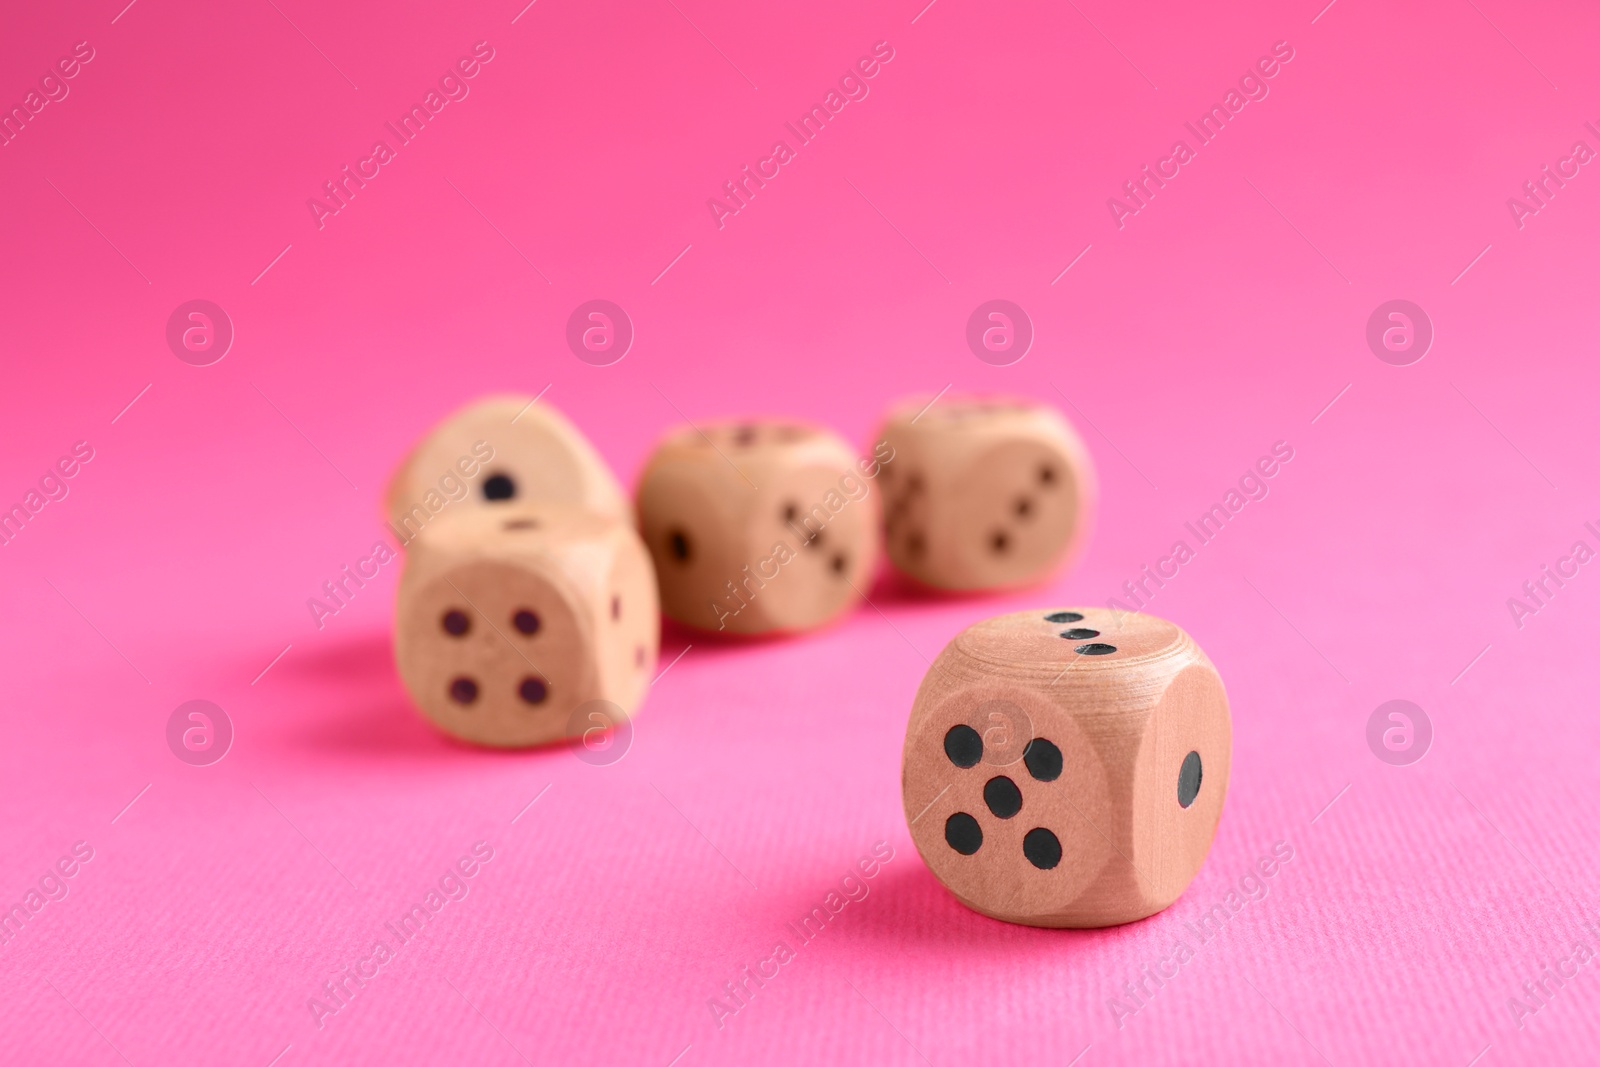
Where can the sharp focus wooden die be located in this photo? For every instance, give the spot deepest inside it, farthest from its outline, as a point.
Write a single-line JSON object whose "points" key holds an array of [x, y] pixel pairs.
{"points": [[1067, 767], [509, 619], [758, 527], [496, 451], [983, 493]]}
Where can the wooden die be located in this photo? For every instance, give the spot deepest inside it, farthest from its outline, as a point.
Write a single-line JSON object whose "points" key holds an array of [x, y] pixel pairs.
{"points": [[509, 619], [1067, 768], [758, 527], [983, 493], [497, 451]]}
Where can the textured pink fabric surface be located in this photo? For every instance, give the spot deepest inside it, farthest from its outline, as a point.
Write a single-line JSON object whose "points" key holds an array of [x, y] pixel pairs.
{"points": [[1223, 316]]}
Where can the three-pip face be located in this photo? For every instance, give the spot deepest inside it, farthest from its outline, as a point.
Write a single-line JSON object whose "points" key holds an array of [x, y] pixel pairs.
{"points": [[757, 527], [1067, 767], [983, 493], [508, 621]]}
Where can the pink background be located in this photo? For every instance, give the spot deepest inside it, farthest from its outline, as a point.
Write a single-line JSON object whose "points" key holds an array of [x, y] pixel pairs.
{"points": [[1224, 317]]}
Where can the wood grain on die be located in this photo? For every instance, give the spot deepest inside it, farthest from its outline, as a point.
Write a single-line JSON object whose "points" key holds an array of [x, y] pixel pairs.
{"points": [[518, 452], [508, 619], [984, 493], [1113, 729], [758, 527]]}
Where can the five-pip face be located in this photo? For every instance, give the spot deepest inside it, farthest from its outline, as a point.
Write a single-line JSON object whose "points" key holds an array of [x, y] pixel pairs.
{"points": [[1067, 767]]}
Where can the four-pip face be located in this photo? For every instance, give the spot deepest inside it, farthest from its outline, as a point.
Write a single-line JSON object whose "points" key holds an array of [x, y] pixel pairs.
{"points": [[758, 527], [510, 620], [983, 493], [1067, 767]]}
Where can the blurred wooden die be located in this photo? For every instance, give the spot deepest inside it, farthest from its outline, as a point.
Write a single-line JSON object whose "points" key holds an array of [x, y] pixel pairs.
{"points": [[509, 620]]}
